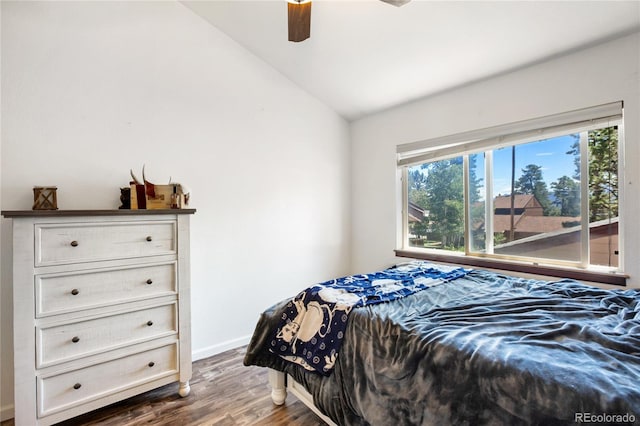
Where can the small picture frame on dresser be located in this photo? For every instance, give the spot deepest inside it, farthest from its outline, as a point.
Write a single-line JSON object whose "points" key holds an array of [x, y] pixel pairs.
{"points": [[45, 198]]}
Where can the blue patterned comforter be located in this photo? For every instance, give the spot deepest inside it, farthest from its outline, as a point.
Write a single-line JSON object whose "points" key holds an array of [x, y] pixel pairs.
{"points": [[483, 349], [312, 325]]}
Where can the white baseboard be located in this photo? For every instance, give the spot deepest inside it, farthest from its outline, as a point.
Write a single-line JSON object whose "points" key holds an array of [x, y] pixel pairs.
{"points": [[6, 412], [220, 347]]}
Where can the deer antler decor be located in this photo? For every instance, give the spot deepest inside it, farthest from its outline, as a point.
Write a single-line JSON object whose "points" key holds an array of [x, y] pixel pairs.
{"points": [[148, 195]]}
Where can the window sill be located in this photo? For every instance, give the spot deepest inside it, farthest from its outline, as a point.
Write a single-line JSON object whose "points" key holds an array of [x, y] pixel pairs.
{"points": [[612, 278]]}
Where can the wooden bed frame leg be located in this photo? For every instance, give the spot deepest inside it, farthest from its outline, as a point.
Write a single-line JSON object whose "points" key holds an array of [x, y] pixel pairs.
{"points": [[278, 386]]}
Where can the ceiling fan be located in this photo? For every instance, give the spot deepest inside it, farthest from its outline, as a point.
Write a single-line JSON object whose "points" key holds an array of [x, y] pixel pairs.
{"points": [[299, 12]]}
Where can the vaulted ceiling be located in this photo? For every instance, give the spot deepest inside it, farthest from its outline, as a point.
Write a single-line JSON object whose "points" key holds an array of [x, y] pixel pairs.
{"points": [[365, 56]]}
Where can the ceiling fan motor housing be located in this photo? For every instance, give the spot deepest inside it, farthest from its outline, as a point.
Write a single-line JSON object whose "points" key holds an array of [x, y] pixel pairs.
{"points": [[299, 20]]}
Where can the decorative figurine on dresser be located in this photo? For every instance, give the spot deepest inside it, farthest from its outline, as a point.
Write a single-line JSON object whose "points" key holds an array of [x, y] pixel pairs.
{"points": [[101, 305]]}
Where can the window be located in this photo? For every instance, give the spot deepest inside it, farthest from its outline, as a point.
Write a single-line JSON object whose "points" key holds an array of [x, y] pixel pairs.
{"points": [[538, 192]]}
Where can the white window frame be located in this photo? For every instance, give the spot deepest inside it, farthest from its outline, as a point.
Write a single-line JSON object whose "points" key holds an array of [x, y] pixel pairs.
{"points": [[486, 140]]}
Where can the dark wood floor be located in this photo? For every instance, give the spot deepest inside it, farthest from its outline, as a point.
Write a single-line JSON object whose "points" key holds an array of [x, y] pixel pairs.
{"points": [[223, 392]]}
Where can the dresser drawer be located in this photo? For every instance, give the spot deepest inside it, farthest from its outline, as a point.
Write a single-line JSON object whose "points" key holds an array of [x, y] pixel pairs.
{"points": [[61, 343], [86, 242], [56, 393], [70, 292]]}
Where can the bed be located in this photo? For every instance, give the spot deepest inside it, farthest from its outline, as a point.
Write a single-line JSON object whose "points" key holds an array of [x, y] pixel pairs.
{"points": [[474, 348]]}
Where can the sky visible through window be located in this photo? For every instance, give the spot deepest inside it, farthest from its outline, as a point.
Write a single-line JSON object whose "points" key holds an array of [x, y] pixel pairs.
{"points": [[550, 154]]}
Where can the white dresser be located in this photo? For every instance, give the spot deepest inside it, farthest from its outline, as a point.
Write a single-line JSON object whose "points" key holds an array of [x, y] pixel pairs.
{"points": [[101, 308]]}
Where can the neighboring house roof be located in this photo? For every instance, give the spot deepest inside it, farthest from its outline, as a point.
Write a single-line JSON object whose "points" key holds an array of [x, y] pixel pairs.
{"points": [[502, 223], [533, 224], [543, 224], [527, 220], [603, 235], [415, 213], [530, 219], [520, 201]]}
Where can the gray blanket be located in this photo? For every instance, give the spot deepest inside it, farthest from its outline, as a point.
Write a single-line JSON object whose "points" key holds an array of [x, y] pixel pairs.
{"points": [[483, 349]]}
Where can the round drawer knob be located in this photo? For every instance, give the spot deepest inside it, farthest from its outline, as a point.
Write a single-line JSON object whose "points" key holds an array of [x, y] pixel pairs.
{"points": [[74, 243], [149, 281], [75, 339], [75, 291], [77, 386], [149, 323], [151, 364], [149, 238]]}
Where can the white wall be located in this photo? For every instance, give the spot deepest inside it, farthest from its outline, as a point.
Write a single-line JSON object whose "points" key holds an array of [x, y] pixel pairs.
{"points": [[601, 74], [92, 89], [5, 362]]}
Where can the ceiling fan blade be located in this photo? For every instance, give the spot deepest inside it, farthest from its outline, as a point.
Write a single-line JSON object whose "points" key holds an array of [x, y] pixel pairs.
{"points": [[299, 20], [396, 2]]}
